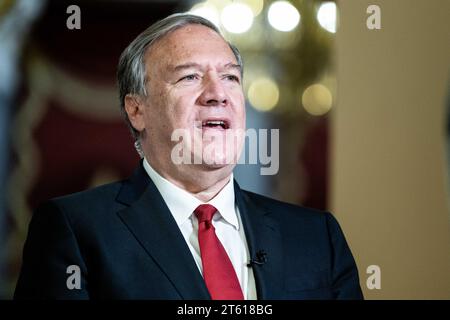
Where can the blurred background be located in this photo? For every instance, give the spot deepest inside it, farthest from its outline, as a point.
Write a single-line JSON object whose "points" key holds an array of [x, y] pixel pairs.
{"points": [[364, 118]]}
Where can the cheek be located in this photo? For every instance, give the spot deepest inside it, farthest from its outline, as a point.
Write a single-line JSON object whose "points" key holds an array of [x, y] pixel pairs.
{"points": [[158, 115], [237, 94], [239, 105], [183, 110]]}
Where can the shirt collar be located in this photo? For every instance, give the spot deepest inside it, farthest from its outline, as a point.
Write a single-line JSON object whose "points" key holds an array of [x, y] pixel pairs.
{"points": [[182, 203], [224, 203]]}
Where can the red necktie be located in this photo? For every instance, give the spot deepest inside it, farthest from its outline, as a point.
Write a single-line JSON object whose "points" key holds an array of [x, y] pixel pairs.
{"points": [[218, 272]]}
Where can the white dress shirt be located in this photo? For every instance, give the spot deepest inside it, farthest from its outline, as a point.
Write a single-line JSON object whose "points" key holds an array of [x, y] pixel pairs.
{"points": [[226, 221]]}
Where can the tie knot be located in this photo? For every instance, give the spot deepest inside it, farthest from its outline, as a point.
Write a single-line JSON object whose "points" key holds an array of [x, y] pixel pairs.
{"points": [[205, 213]]}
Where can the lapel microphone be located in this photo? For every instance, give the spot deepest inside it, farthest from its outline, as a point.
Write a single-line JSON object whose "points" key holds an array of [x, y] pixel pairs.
{"points": [[260, 259]]}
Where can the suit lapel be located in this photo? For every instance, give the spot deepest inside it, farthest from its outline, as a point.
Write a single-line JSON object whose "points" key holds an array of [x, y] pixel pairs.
{"points": [[262, 233], [149, 220]]}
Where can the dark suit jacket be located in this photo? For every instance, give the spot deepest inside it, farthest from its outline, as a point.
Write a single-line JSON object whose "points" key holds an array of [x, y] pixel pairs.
{"points": [[128, 246]]}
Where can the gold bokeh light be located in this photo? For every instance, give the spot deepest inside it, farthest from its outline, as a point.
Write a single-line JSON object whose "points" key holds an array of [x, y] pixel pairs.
{"points": [[317, 99], [263, 94]]}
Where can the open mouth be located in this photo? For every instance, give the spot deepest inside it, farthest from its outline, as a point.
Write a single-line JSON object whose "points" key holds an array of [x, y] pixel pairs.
{"points": [[216, 124]]}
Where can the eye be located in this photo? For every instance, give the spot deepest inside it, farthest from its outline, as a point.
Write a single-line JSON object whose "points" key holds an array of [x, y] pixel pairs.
{"points": [[189, 77], [232, 77]]}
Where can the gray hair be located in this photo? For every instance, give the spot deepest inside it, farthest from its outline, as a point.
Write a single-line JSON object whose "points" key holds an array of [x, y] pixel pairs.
{"points": [[131, 73]]}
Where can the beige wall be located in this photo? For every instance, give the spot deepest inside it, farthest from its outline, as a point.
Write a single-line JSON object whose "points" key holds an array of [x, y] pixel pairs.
{"points": [[388, 156]]}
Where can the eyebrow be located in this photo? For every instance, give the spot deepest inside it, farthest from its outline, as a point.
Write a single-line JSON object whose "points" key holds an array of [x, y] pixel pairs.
{"points": [[233, 66], [186, 66], [192, 65]]}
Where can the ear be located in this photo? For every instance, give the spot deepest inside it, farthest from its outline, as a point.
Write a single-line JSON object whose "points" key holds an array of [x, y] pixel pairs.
{"points": [[134, 107]]}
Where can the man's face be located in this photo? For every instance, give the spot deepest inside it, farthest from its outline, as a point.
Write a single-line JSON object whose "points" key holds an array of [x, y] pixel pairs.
{"points": [[194, 84]]}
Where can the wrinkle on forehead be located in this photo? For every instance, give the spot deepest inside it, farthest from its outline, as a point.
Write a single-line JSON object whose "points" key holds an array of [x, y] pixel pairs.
{"points": [[182, 43]]}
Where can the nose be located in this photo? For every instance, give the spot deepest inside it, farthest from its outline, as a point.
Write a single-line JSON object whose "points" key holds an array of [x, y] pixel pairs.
{"points": [[213, 93]]}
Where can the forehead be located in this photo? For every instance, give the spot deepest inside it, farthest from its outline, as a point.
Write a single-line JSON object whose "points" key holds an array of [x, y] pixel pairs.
{"points": [[191, 43]]}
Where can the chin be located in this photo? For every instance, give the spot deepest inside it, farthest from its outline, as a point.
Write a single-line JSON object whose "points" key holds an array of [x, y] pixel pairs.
{"points": [[216, 161], [219, 159], [224, 169]]}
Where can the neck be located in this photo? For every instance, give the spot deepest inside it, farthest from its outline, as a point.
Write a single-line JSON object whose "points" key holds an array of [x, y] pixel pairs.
{"points": [[206, 193]]}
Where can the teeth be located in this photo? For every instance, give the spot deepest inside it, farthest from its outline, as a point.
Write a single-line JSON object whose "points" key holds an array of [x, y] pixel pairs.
{"points": [[215, 123]]}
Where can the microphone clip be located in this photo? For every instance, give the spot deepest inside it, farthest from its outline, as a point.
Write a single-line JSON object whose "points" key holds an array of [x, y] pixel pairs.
{"points": [[260, 259]]}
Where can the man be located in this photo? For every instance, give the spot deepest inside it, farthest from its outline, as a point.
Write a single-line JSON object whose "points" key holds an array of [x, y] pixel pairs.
{"points": [[183, 230]]}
